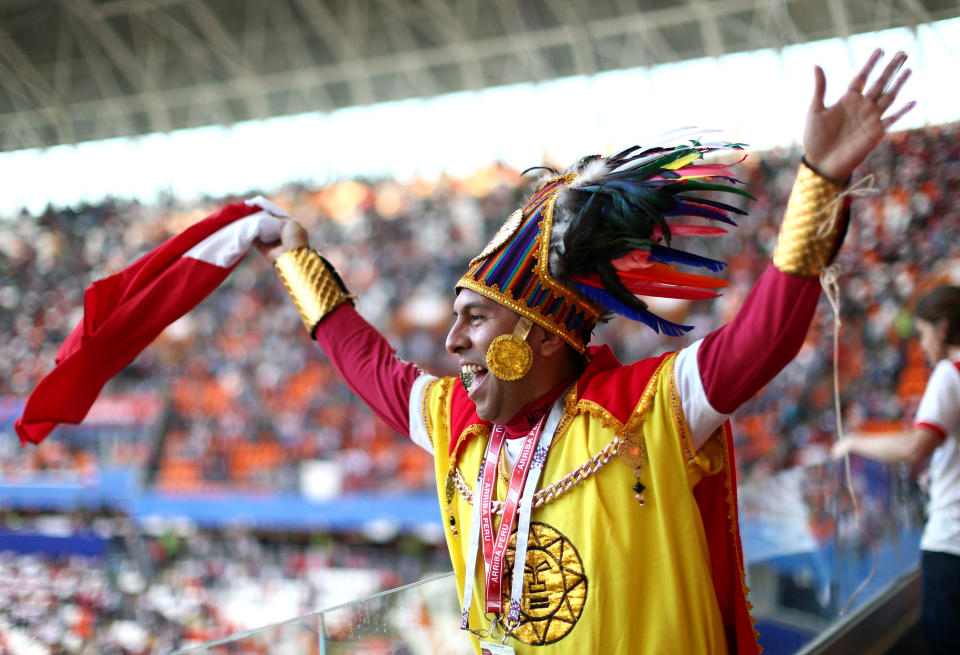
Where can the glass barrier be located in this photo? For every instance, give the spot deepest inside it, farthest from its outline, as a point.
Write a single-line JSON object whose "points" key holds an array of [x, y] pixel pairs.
{"points": [[814, 552], [805, 569], [417, 619]]}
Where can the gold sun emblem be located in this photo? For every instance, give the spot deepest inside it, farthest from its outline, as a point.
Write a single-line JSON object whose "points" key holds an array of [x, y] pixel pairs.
{"points": [[503, 235], [554, 586]]}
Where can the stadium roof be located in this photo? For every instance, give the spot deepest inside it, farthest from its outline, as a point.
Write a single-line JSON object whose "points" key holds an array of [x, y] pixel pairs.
{"points": [[82, 70]]}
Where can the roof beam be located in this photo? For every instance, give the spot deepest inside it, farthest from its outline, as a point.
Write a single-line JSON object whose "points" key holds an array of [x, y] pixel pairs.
{"points": [[709, 29], [300, 58], [340, 42], [116, 51], [839, 18], [420, 79], [232, 56], [446, 22], [186, 63]]}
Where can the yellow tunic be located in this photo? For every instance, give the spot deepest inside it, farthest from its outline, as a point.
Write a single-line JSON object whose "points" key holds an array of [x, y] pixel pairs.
{"points": [[604, 574]]}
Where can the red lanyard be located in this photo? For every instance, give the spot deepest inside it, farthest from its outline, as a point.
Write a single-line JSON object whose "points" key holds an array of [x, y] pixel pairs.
{"points": [[494, 551]]}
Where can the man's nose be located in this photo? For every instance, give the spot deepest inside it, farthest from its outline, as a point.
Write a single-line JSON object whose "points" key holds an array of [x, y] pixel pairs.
{"points": [[456, 338]]}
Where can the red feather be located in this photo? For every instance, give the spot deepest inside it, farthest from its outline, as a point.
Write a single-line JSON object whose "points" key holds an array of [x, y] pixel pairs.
{"points": [[643, 288], [634, 259], [694, 230], [657, 272]]}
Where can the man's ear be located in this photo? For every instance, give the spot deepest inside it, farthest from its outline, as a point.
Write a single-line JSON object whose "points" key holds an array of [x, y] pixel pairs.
{"points": [[546, 343]]}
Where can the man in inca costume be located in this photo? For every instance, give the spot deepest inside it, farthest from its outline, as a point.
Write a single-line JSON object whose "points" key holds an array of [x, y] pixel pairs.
{"points": [[612, 483]]}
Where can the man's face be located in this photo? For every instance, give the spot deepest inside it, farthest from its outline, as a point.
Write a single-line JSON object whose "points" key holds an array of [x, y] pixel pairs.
{"points": [[478, 321]]}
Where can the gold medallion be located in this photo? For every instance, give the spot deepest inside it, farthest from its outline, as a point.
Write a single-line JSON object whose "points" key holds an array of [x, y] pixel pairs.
{"points": [[554, 586], [509, 356]]}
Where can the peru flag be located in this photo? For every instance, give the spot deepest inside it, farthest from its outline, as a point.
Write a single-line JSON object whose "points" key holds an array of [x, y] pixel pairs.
{"points": [[124, 313]]}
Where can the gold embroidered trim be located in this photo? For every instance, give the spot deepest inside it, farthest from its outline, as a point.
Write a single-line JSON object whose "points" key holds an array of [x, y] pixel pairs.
{"points": [[633, 424], [680, 423], [633, 450], [543, 259], [425, 408], [731, 523], [446, 386]]}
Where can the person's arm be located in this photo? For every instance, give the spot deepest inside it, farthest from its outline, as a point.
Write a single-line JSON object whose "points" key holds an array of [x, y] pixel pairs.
{"points": [[733, 363], [361, 355], [913, 446], [938, 416]]}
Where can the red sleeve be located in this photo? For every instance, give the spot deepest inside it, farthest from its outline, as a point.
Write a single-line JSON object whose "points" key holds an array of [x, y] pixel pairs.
{"points": [[738, 359], [368, 365], [934, 428]]}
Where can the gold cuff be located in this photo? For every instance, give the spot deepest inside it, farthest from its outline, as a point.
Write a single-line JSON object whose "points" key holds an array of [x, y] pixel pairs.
{"points": [[313, 284], [811, 225]]}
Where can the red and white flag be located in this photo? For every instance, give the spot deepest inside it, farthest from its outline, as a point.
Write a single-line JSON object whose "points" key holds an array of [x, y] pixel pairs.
{"points": [[124, 313]]}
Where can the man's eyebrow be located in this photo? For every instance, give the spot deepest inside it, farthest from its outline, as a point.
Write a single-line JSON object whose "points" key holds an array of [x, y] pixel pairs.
{"points": [[469, 307]]}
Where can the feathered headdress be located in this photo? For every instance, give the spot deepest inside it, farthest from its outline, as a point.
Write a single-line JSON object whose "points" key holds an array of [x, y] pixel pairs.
{"points": [[590, 241]]}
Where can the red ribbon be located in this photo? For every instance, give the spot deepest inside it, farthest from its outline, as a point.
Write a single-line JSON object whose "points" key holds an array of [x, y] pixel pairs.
{"points": [[494, 551]]}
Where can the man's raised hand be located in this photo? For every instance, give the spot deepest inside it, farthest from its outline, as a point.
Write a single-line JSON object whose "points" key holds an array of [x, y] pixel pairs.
{"points": [[838, 138]]}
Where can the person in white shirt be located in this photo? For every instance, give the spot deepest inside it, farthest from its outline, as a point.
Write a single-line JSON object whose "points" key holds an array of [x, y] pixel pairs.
{"points": [[935, 435]]}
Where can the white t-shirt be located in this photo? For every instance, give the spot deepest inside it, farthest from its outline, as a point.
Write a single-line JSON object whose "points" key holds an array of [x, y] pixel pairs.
{"points": [[940, 409]]}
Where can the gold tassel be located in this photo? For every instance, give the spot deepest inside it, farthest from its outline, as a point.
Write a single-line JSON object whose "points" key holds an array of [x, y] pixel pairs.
{"points": [[810, 227], [312, 283]]}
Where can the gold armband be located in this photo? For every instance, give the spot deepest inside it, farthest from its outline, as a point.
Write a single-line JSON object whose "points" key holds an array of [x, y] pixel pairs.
{"points": [[811, 225], [313, 284]]}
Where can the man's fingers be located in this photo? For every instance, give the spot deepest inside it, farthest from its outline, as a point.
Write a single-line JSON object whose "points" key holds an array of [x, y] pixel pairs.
{"points": [[819, 89], [860, 79], [890, 120], [891, 94], [879, 87], [266, 245]]}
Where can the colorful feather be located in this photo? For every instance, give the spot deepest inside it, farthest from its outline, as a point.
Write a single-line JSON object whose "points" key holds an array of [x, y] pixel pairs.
{"points": [[668, 275], [692, 231], [658, 323], [639, 258], [658, 289], [666, 255], [611, 235]]}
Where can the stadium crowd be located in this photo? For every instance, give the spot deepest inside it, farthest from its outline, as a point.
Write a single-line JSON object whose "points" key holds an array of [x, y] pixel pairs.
{"points": [[250, 397], [174, 586], [246, 399]]}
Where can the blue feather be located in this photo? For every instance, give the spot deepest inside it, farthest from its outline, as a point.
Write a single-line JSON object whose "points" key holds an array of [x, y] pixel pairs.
{"points": [[657, 323], [665, 255], [683, 209], [712, 203]]}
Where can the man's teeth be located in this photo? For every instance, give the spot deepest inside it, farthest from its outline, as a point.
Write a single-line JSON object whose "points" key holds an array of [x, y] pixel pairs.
{"points": [[468, 374]]}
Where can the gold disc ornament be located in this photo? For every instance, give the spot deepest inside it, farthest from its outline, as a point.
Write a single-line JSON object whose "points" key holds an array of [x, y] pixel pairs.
{"points": [[554, 586], [509, 356], [506, 231]]}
